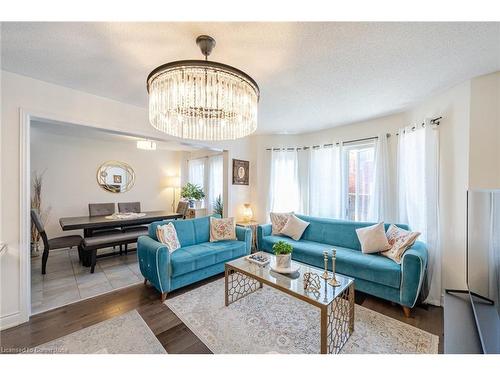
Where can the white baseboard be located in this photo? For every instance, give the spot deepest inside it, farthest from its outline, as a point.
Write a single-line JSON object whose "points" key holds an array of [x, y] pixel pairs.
{"points": [[11, 320]]}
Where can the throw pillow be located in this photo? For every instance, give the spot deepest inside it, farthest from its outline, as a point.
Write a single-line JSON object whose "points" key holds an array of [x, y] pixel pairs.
{"points": [[167, 235], [400, 240], [373, 239], [278, 221], [222, 229], [294, 227]]}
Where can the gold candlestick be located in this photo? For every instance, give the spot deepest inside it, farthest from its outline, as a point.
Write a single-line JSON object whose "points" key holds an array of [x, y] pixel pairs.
{"points": [[334, 281], [325, 274]]}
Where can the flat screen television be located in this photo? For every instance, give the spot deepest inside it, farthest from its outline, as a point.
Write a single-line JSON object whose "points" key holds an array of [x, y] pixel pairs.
{"points": [[483, 264]]}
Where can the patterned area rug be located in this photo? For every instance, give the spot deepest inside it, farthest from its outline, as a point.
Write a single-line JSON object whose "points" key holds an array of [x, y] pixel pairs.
{"points": [[124, 334], [268, 321]]}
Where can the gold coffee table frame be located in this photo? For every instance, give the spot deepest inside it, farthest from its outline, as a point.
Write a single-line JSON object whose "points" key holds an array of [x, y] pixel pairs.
{"points": [[336, 304]]}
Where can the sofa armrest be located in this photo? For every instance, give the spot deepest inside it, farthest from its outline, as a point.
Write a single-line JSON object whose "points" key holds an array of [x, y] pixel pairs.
{"points": [[263, 231], [154, 262], [413, 268], [245, 235]]}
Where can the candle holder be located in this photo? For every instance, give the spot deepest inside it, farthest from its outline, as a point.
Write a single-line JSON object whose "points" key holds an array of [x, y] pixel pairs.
{"points": [[334, 282], [325, 274]]}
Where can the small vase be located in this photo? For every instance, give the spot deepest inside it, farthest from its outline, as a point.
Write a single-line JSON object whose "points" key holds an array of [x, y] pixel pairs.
{"points": [[284, 261], [197, 204], [191, 203]]}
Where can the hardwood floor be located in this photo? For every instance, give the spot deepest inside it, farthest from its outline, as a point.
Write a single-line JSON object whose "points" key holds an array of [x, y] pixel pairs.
{"points": [[168, 328]]}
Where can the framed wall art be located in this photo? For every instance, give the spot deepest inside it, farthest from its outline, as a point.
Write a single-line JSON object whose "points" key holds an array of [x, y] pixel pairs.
{"points": [[240, 172]]}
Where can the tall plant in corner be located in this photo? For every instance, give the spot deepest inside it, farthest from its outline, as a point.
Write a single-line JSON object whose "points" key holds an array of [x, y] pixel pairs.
{"points": [[219, 206], [36, 203]]}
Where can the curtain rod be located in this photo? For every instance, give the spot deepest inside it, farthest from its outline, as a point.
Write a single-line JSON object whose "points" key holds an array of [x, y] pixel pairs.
{"points": [[434, 121]]}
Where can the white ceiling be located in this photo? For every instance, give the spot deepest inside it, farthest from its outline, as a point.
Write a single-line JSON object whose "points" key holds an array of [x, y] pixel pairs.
{"points": [[311, 75], [79, 131]]}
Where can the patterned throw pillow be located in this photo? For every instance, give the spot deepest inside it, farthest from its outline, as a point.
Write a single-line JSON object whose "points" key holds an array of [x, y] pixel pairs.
{"points": [[222, 229], [278, 221], [167, 235], [400, 240]]}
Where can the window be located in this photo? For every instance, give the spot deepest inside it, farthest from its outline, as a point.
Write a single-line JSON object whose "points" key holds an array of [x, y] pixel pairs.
{"points": [[207, 172], [196, 171], [359, 166]]}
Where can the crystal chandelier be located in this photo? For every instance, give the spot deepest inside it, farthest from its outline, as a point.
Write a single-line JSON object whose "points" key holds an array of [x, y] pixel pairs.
{"points": [[201, 99]]}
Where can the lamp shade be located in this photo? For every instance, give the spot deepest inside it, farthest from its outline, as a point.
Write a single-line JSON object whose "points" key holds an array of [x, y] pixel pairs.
{"points": [[247, 212], [172, 181]]}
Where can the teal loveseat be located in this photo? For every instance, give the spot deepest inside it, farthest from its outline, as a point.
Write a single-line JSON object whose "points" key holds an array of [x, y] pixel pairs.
{"points": [[195, 260], [373, 273]]}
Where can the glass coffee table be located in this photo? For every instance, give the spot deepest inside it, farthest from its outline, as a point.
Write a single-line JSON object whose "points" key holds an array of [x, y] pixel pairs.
{"points": [[336, 304]]}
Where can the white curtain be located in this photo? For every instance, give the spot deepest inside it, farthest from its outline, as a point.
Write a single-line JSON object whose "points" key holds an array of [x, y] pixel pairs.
{"points": [[215, 181], [284, 189], [418, 184], [381, 203], [325, 182], [196, 174]]}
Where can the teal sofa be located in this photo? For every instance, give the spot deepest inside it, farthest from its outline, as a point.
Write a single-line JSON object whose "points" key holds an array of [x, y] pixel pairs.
{"points": [[197, 258], [373, 273]]}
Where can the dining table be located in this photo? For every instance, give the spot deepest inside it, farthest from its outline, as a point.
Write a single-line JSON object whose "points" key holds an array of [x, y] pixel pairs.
{"points": [[90, 223]]}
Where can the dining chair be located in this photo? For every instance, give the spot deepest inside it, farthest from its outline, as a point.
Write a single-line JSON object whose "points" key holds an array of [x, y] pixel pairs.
{"points": [[134, 207], [54, 243], [129, 207], [182, 208], [102, 209]]}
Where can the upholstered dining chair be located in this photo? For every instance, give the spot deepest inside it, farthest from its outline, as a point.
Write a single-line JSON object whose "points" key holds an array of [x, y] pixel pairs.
{"points": [[54, 243], [131, 207], [102, 209], [182, 208]]}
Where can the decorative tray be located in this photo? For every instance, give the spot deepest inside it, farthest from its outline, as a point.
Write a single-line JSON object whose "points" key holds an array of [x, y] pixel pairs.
{"points": [[260, 258]]}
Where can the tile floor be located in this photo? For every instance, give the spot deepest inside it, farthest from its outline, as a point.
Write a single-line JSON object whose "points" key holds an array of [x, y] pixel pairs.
{"points": [[67, 281]]}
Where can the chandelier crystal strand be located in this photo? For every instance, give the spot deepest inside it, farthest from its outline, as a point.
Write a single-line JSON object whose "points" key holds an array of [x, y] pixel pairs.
{"points": [[203, 100]]}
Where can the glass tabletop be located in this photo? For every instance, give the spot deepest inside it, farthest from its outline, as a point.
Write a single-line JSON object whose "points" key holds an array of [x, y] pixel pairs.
{"points": [[293, 284]]}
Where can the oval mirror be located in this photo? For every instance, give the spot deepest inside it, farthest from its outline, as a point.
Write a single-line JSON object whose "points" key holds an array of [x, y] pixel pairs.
{"points": [[115, 176]]}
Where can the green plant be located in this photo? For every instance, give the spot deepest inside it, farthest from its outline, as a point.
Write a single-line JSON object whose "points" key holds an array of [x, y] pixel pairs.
{"points": [[282, 248], [192, 192], [219, 206]]}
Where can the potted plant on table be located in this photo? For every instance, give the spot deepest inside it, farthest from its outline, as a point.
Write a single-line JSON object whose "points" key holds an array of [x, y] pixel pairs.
{"points": [[193, 193], [283, 251]]}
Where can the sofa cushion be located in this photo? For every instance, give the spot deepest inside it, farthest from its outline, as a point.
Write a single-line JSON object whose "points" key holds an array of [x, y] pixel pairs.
{"points": [[350, 262], [195, 257]]}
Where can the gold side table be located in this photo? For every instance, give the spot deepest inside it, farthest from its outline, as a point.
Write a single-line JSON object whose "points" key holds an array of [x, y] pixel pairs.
{"points": [[253, 226]]}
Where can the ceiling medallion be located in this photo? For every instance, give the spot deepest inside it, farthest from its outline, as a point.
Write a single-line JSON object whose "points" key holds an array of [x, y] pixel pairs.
{"points": [[201, 99]]}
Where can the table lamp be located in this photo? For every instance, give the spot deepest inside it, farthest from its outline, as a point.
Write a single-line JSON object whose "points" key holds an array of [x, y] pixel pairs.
{"points": [[247, 213]]}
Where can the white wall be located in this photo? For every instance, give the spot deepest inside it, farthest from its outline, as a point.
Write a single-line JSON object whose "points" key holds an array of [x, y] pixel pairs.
{"points": [[69, 180], [55, 102], [484, 145]]}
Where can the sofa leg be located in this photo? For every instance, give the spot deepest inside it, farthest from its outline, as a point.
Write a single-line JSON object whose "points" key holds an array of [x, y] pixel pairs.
{"points": [[406, 311], [163, 297]]}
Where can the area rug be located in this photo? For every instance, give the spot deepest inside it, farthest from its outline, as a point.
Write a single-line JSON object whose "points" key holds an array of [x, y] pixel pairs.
{"points": [[124, 334], [268, 321]]}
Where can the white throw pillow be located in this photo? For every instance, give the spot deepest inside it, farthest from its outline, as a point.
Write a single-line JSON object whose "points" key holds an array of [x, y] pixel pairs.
{"points": [[278, 221], [400, 240], [294, 227], [373, 239], [222, 229], [167, 235]]}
